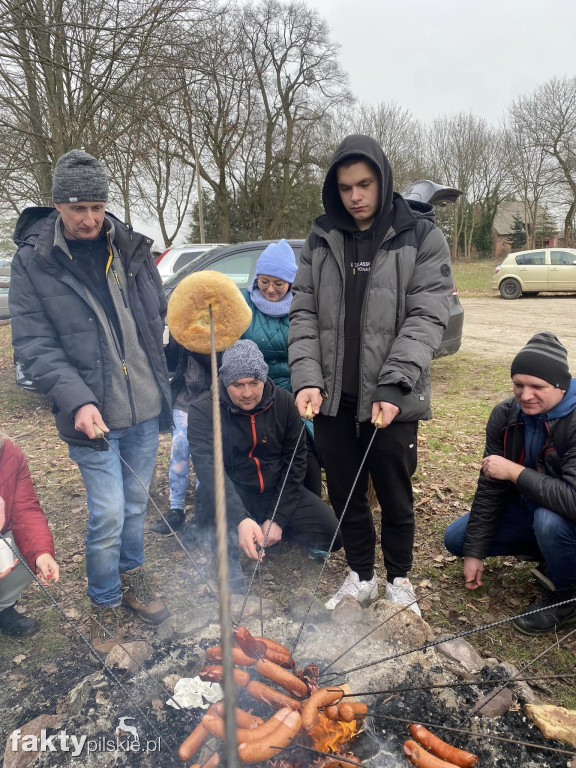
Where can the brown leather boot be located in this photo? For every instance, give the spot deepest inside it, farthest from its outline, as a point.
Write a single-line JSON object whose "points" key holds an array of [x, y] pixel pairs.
{"points": [[105, 630], [138, 595]]}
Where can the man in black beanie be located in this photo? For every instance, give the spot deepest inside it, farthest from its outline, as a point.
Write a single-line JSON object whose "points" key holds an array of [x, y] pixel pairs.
{"points": [[525, 502], [87, 312]]}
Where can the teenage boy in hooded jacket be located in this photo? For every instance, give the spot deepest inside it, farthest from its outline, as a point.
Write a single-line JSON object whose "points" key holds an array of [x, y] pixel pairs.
{"points": [[371, 301]]}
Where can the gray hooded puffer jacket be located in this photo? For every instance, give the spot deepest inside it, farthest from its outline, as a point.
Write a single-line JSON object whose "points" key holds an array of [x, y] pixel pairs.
{"points": [[405, 309]]}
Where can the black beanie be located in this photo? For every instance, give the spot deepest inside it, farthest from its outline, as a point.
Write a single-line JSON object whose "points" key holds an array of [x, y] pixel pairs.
{"points": [[546, 358]]}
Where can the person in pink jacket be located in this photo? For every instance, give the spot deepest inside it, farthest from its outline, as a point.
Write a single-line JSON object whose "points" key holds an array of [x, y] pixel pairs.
{"points": [[24, 526]]}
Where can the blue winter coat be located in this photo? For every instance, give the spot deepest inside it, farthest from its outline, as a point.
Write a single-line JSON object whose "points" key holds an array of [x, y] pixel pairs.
{"points": [[270, 334]]}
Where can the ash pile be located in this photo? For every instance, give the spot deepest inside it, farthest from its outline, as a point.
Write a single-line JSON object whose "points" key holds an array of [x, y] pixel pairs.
{"points": [[391, 671]]}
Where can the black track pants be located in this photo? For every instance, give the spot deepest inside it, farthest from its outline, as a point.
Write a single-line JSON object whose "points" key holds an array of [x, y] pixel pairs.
{"points": [[391, 462]]}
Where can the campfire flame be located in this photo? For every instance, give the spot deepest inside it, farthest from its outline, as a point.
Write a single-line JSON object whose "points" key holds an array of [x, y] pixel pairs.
{"points": [[329, 735]]}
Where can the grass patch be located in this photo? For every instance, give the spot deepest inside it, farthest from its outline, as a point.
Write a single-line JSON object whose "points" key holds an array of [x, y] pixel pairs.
{"points": [[473, 277]]}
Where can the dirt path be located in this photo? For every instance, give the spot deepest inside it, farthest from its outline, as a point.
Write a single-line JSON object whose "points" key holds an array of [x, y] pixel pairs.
{"points": [[498, 329]]}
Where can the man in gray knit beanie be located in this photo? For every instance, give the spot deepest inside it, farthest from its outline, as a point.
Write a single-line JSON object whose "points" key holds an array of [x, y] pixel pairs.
{"points": [[79, 176], [264, 451], [87, 324], [243, 360]]}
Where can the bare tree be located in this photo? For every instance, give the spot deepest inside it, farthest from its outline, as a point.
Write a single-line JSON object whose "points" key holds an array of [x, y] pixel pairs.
{"points": [[75, 74], [548, 119], [463, 151], [532, 174], [398, 133]]}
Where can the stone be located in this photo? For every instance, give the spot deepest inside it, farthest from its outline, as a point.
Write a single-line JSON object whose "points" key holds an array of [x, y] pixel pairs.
{"points": [[463, 653], [524, 691], [403, 627], [20, 759], [252, 608], [129, 656], [349, 611], [495, 705], [304, 607], [80, 694]]}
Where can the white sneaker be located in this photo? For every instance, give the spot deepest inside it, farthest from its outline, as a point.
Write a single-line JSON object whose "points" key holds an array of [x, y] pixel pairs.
{"points": [[402, 592], [363, 591]]}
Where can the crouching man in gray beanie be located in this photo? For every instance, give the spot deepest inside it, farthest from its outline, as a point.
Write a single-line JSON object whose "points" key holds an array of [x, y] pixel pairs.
{"points": [[87, 312], [261, 428], [525, 502]]}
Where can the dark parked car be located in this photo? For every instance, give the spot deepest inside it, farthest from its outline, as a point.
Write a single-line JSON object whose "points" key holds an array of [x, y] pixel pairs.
{"points": [[239, 262]]}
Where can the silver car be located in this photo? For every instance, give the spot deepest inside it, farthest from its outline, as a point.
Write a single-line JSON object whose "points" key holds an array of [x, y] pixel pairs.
{"points": [[173, 259], [4, 284], [527, 273]]}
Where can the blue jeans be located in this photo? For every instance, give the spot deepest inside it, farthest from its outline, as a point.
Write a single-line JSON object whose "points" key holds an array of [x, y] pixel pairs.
{"points": [[179, 471], [542, 534], [116, 506]]}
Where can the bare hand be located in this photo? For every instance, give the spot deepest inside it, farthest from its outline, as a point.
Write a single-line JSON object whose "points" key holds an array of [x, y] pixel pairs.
{"points": [[8, 570], [389, 412], [249, 536], [86, 417], [499, 468], [310, 395], [273, 531], [473, 570], [47, 569]]}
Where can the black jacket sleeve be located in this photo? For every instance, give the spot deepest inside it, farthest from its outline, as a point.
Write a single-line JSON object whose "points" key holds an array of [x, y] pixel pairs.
{"points": [[200, 438], [39, 346], [492, 496]]}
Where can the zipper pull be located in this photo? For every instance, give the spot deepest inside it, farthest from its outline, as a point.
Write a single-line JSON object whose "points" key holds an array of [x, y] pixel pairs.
{"points": [[125, 368], [357, 426]]}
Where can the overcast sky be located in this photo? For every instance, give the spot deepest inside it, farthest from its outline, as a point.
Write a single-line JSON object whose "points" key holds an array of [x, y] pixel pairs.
{"points": [[447, 56]]}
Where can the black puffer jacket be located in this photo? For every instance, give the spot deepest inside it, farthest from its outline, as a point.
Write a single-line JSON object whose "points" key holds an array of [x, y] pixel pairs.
{"points": [[54, 328], [552, 485], [258, 446]]}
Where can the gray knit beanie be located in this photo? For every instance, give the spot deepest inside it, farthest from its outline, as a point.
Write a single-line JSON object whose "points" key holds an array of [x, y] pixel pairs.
{"points": [[79, 177], [243, 360], [545, 358]]}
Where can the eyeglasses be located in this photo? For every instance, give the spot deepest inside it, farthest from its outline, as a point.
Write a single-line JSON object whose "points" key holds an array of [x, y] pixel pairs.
{"points": [[275, 285]]}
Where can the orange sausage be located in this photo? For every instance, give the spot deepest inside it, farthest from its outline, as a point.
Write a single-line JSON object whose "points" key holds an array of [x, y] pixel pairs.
{"points": [[251, 647], [346, 712], [214, 656], [269, 696], [192, 744], [214, 673], [212, 762], [272, 645], [283, 677], [322, 698], [277, 653], [243, 719], [418, 756], [351, 710], [440, 748], [215, 726], [332, 712], [266, 748]]}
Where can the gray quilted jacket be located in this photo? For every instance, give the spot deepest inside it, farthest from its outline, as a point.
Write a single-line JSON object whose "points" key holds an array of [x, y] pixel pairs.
{"points": [[405, 310]]}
